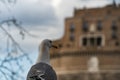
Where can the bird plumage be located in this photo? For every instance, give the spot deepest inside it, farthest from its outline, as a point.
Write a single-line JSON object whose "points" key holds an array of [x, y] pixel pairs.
{"points": [[42, 70], [44, 55]]}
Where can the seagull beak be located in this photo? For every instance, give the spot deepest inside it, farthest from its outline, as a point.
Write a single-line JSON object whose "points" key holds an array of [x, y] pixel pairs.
{"points": [[54, 46]]}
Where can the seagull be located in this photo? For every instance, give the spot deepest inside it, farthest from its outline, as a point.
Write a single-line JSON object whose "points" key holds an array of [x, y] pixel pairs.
{"points": [[42, 70]]}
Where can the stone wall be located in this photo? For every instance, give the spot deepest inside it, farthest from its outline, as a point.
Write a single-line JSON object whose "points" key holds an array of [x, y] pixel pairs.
{"points": [[73, 56], [91, 76]]}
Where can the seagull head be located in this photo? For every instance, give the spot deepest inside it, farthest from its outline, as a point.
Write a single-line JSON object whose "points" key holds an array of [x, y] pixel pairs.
{"points": [[48, 43]]}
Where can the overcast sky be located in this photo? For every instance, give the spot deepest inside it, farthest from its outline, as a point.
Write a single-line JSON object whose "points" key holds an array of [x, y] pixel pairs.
{"points": [[44, 18]]}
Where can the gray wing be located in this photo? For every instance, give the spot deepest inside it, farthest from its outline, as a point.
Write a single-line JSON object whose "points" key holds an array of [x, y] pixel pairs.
{"points": [[39, 75], [41, 71]]}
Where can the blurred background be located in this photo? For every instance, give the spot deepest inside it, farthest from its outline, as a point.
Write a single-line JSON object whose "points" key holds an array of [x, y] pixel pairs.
{"points": [[25, 23]]}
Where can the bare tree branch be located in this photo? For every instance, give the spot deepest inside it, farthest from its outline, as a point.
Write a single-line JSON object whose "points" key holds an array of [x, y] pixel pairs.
{"points": [[6, 69]]}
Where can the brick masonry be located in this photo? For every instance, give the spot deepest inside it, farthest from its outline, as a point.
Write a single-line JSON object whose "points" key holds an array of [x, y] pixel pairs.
{"points": [[90, 47]]}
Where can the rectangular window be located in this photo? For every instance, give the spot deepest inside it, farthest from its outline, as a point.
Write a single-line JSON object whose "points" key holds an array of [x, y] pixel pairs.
{"points": [[85, 26], [99, 25], [99, 41], [84, 41], [92, 41]]}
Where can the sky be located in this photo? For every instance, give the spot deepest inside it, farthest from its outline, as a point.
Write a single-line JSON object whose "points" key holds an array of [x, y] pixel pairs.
{"points": [[43, 18]]}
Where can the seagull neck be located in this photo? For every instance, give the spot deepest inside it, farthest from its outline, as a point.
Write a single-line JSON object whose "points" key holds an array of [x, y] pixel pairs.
{"points": [[44, 55]]}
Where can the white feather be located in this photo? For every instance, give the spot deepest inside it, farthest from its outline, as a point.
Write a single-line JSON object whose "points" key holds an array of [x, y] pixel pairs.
{"points": [[44, 55]]}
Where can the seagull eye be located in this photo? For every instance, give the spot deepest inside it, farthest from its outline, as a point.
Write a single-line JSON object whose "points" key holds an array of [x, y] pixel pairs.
{"points": [[50, 41]]}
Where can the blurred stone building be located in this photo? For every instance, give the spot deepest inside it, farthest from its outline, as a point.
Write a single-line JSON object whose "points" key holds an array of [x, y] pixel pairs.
{"points": [[90, 47]]}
